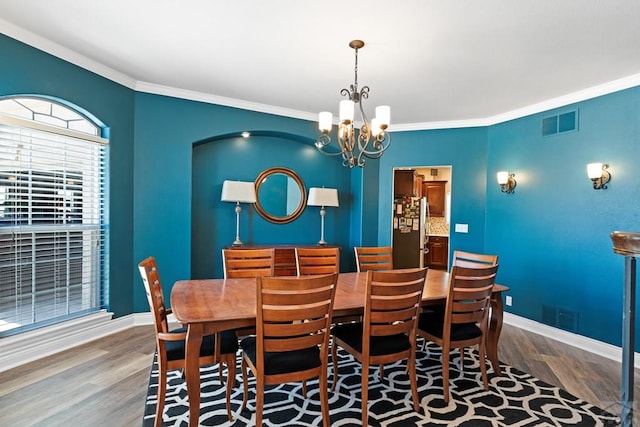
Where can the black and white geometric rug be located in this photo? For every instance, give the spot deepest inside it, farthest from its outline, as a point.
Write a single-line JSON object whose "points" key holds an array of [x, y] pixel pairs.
{"points": [[513, 399]]}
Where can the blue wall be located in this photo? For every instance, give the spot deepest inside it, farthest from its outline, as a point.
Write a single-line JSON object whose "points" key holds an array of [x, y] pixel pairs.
{"points": [[552, 235]]}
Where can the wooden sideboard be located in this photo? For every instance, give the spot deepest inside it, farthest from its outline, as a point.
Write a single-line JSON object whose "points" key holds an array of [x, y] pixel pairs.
{"points": [[285, 257]]}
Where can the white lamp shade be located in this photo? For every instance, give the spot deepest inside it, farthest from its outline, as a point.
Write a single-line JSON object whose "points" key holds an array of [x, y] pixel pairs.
{"points": [[238, 191], [347, 109], [594, 170], [503, 177], [375, 127], [383, 114], [324, 121], [323, 197]]}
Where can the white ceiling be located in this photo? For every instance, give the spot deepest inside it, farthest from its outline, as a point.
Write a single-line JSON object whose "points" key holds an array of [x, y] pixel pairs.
{"points": [[454, 61]]}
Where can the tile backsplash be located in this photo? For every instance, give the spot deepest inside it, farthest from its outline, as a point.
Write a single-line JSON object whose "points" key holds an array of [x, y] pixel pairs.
{"points": [[439, 226]]}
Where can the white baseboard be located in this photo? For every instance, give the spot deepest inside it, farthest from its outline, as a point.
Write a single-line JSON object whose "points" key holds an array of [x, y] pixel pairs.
{"points": [[594, 346], [33, 345]]}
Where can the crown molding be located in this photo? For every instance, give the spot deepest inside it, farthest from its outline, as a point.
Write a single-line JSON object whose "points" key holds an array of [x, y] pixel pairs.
{"points": [[82, 61], [157, 89]]}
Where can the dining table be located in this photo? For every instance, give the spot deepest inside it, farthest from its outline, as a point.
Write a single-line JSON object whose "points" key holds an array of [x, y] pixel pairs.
{"points": [[207, 306]]}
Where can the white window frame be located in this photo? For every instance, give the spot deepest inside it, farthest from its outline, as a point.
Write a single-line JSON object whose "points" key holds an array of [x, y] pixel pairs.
{"points": [[54, 223]]}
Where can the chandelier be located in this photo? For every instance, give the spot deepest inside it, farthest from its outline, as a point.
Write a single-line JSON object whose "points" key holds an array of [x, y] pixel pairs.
{"points": [[355, 146]]}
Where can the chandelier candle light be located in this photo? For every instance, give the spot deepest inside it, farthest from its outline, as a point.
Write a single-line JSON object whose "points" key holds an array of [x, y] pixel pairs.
{"points": [[238, 192], [323, 197], [372, 139]]}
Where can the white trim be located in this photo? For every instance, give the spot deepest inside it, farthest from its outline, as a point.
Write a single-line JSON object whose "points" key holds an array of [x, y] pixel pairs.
{"points": [[33, 345], [584, 343], [43, 127], [82, 61], [221, 100]]}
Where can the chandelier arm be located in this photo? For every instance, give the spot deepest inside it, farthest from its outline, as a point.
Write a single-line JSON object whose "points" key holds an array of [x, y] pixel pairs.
{"points": [[379, 144]]}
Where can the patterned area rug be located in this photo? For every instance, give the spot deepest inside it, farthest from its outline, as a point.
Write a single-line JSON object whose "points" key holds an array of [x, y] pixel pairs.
{"points": [[514, 399]]}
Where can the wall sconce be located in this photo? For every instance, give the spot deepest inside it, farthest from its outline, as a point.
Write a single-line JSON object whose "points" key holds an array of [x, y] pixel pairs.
{"points": [[238, 192], [507, 182], [322, 197], [599, 174]]}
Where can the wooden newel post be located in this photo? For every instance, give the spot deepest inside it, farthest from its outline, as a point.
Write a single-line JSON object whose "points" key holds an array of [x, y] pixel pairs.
{"points": [[627, 244]]}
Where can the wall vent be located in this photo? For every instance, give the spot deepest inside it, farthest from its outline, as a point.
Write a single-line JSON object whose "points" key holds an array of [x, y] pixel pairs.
{"points": [[559, 318], [561, 123]]}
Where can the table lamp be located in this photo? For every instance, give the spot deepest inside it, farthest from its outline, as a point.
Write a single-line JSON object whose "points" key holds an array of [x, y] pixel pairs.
{"points": [[322, 197], [238, 192]]}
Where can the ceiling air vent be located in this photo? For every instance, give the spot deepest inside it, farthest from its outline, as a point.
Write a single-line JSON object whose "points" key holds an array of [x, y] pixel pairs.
{"points": [[561, 123]]}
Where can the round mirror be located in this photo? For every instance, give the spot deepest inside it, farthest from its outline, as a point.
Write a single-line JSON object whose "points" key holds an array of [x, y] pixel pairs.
{"points": [[280, 195]]}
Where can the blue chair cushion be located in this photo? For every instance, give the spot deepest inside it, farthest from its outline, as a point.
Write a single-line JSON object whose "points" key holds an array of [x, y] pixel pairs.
{"points": [[228, 344], [285, 361], [432, 322], [351, 333]]}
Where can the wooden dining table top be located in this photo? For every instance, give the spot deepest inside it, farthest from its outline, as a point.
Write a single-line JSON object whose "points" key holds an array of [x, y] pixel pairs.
{"points": [[231, 303]]}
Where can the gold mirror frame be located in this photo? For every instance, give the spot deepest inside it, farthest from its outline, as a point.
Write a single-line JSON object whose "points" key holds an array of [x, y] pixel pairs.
{"points": [[261, 179]]}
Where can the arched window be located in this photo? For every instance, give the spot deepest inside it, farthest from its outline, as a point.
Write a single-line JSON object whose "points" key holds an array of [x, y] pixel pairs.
{"points": [[53, 213]]}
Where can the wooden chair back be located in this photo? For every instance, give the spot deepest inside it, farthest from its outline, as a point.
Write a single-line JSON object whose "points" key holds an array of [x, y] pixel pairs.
{"points": [[473, 260], [392, 306], [373, 258], [155, 296], [238, 263], [469, 296], [311, 261], [294, 313]]}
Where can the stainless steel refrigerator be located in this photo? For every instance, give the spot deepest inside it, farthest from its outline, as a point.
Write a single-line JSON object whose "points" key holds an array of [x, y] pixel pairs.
{"points": [[410, 219]]}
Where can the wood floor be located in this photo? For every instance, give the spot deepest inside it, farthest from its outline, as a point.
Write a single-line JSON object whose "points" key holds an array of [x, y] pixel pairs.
{"points": [[104, 383]]}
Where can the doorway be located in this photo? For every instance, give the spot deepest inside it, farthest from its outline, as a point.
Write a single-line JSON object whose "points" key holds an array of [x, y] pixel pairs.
{"points": [[421, 216]]}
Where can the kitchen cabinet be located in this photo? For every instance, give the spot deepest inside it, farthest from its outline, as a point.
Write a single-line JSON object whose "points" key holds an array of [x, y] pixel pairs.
{"points": [[438, 255], [435, 192], [407, 183]]}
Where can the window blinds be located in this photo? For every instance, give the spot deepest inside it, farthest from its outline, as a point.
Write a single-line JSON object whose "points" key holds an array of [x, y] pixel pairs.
{"points": [[53, 224]]}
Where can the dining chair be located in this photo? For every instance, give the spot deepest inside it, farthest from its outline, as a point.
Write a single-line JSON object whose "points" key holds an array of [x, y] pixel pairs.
{"points": [[238, 263], [373, 258], [387, 332], [465, 259], [466, 318], [293, 321], [317, 261], [221, 347]]}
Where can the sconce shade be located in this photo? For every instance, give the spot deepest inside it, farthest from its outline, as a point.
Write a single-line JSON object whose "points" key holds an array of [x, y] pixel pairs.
{"points": [[323, 197], [594, 170], [503, 177], [599, 174], [238, 191], [507, 181]]}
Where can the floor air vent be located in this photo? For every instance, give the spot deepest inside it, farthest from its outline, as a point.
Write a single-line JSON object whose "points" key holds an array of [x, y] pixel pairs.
{"points": [[560, 318], [561, 123]]}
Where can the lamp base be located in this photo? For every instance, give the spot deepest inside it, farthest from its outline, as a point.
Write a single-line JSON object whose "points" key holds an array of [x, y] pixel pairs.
{"points": [[237, 243], [322, 243]]}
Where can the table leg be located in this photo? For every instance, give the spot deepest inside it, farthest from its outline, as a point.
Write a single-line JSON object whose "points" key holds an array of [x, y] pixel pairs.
{"points": [[192, 371], [495, 328]]}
